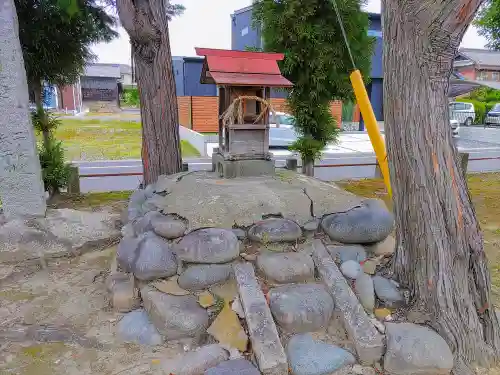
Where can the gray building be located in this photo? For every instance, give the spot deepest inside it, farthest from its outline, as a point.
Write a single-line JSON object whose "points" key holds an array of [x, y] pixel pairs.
{"points": [[99, 84]]}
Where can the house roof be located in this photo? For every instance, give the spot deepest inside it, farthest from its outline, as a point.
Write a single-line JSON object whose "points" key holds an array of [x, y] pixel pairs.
{"points": [[482, 58], [242, 68], [102, 70]]}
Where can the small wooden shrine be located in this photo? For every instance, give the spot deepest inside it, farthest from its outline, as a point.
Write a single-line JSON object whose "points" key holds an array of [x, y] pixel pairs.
{"points": [[244, 80]]}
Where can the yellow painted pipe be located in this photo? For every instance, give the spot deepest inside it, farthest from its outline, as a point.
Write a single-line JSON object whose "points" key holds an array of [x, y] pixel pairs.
{"points": [[371, 126]]}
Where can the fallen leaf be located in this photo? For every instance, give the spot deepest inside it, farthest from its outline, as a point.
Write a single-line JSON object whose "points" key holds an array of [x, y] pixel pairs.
{"points": [[170, 286], [227, 329], [227, 291], [370, 266], [206, 299], [382, 313]]}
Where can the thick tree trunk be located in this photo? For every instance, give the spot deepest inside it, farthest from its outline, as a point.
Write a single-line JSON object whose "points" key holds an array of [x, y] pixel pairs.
{"points": [[147, 24], [440, 254], [21, 186], [37, 88]]}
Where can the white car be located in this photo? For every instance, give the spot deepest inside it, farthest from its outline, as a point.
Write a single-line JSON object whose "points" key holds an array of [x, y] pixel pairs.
{"points": [[464, 113], [455, 126], [284, 119]]}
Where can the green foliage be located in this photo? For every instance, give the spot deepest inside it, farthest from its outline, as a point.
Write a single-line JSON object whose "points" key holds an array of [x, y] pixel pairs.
{"points": [[485, 94], [488, 23], [131, 97], [44, 121], [316, 60], [56, 37], [55, 171], [253, 49]]}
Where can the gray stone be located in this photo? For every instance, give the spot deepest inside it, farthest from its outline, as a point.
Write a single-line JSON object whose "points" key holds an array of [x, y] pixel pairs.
{"points": [[144, 223], [124, 296], [195, 362], [154, 259], [266, 344], [137, 198], [209, 245], [242, 168], [149, 191], [312, 226], [367, 341], [21, 188], [365, 292], [351, 269], [348, 252], [413, 349], [310, 357], [275, 230], [234, 367], [169, 226], [302, 307], [286, 267], [204, 200], [135, 327], [128, 230], [125, 252], [204, 276], [368, 222], [239, 233], [175, 317], [387, 291], [61, 233]]}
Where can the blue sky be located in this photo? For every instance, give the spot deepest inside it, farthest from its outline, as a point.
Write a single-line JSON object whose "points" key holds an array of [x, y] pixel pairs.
{"points": [[207, 24]]}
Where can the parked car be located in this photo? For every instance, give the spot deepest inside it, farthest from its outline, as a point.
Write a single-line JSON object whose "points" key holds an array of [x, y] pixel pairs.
{"points": [[284, 119], [493, 116], [464, 113], [455, 126]]}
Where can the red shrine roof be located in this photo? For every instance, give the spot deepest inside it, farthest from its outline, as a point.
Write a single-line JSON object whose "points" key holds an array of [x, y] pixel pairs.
{"points": [[241, 68]]}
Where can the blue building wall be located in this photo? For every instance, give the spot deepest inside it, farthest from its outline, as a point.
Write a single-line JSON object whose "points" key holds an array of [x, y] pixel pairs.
{"points": [[178, 66], [244, 35], [187, 73]]}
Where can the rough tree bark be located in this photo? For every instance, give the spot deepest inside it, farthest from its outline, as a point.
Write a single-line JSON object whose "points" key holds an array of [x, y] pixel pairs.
{"points": [[21, 186], [440, 252], [146, 22]]}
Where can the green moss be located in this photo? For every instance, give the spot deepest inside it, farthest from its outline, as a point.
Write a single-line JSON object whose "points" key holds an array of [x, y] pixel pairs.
{"points": [[90, 200]]}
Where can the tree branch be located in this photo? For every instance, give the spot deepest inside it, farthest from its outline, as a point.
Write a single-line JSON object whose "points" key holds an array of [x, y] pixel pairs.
{"points": [[127, 14]]}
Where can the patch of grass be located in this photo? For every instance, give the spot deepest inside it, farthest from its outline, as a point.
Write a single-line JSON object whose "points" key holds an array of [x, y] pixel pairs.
{"points": [[93, 139], [485, 192], [91, 200]]}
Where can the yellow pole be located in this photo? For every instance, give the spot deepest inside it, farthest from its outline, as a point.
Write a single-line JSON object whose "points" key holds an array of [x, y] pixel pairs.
{"points": [[371, 126]]}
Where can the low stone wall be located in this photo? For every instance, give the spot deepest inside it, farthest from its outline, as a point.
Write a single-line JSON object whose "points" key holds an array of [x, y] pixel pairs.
{"points": [[298, 292]]}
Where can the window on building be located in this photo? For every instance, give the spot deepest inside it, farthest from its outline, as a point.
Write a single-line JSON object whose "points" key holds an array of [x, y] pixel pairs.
{"points": [[495, 76], [482, 75]]}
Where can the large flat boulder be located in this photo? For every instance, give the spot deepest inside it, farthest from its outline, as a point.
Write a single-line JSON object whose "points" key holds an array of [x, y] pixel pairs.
{"points": [[286, 267], [63, 232], [206, 200]]}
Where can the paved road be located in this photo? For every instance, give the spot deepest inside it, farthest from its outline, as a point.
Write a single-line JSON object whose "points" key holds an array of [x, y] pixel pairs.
{"points": [[481, 143]]}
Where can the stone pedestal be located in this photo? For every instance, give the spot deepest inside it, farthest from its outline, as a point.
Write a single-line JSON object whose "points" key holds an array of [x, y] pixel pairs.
{"points": [[241, 168]]}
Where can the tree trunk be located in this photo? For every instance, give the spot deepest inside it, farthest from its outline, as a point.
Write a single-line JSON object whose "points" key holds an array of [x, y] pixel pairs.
{"points": [[308, 167], [37, 88], [21, 186], [147, 24], [440, 256]]}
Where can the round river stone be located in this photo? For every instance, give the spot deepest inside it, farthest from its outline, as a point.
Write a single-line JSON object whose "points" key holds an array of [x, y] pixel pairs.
{"points": [[204, 276], [209, 245], [169, 226], [364, 290], [386, 291], [366, 223], [351, 269], [233, 367], [302, 307], [286, 267], [275, 230], [154, 259], [309, 357], [349, 252]]}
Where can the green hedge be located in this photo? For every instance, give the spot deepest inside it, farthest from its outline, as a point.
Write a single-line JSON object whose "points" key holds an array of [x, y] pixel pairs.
{"points": [[130, 97]]}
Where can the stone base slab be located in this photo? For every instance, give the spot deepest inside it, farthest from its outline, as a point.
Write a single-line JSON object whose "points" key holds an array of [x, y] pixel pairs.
{"points": [[241, 168]]}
